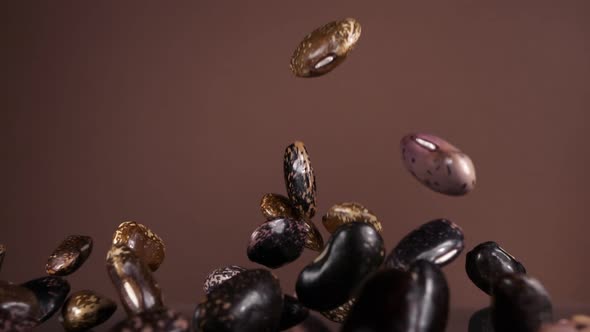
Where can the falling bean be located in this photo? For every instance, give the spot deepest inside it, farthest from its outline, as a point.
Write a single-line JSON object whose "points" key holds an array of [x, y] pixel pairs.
{"points": [[325, 48], [220, 275], [353, 252], [439, 241], [276, 243], [69, 255], [488, 261], [300, 180], [392, 300], [86, 309], [51, 292], [437, 164], [347, 212], [146, 244], [138, 290], [251, 301], [520, 304]]}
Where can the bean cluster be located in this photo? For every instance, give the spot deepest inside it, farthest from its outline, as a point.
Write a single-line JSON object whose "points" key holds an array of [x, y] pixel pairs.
{"points": [[351, 281]]}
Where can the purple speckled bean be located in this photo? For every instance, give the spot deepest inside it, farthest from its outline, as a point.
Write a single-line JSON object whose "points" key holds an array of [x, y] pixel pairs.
{"points": [[438, 164]]}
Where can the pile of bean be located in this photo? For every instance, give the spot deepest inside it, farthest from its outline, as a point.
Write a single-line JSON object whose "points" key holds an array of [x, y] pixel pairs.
{"points": [[351, 281]]}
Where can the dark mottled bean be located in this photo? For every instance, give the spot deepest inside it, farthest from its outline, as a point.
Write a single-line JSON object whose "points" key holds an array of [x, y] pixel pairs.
{"points": [[293, 312], [439, 241], [146, 244], [520, 304], [488, 261], [163, 320], [69, 255], [481, 321], [51, 292], [220, 275], [300, 180], [86, 309], [438, 164], [354, 251], [325, 48], [277, 242], [19, 308], [347, 212], [398, 301], [339, 314], [137, 288], [251, 301]]}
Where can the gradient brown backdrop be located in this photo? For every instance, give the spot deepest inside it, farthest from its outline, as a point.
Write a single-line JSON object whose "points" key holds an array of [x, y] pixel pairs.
{"points": [[176, 115]]}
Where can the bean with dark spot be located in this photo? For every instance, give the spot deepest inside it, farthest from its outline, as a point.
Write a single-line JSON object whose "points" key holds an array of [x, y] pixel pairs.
{"points": [[428, 153], [220, 275]]}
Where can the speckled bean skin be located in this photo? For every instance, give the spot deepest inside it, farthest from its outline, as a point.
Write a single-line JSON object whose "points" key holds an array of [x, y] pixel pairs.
{"points": [[300, 180], [325, 48], [274, 206], [19, 308], [339, 314], [293, 312], [277, 242], [146, 244], [86, 309], [251, 301], [2, 254], [164, 320], [487, 262], [353, 252], [51, 292], [220, 275], [69, 255], [340, 214], [416, 300], [437, 164], [137, 288], [314, 240], [439, 241], [520, 304]]}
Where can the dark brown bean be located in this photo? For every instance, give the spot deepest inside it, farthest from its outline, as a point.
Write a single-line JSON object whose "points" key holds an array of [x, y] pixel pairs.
{"points": [[300, 180], [69, 255], [347, 212]]}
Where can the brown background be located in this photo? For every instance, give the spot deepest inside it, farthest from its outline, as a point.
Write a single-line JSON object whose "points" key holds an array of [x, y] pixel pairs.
{"points": [[176, 116]]}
